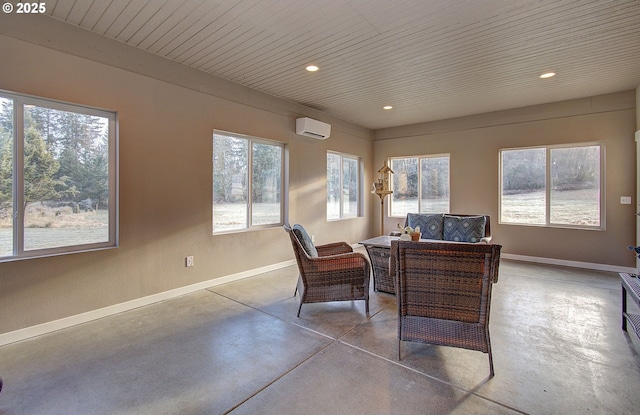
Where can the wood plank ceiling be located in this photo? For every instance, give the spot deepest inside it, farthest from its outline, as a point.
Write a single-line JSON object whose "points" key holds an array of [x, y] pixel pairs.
{"points": [[429, 59]]}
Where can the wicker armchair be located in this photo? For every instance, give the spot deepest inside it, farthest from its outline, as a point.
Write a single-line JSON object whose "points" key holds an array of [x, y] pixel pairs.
{"points": [[336, 273], [444, 293]]}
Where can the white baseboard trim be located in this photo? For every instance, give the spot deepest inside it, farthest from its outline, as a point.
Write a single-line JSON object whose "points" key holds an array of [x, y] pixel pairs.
{"points": [[51, 326], [575, 264]]}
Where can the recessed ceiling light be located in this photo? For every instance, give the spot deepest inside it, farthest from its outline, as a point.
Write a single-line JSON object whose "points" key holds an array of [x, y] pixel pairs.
{"points": [[387, 107], [312, 68], [547, 75]]}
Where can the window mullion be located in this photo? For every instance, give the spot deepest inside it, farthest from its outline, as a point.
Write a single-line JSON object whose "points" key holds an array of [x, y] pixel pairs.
{"points": [[419, 164], [603, 184], [249, 183], [18, 177], [341, 187], [547, 189], [284, 177], [114, 192]]}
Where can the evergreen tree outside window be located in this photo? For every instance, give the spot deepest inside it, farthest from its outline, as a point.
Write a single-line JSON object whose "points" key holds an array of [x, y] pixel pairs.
{"points": [[58, 177], [553, 186], [248, 177]]}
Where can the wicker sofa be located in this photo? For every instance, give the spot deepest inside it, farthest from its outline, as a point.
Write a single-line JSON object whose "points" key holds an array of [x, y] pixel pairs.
{"points": [[459, 228], [450, 227]]}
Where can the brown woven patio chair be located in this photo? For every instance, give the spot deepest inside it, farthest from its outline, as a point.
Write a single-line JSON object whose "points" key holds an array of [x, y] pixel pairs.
{"points": [[331, 272], [444, 293]]}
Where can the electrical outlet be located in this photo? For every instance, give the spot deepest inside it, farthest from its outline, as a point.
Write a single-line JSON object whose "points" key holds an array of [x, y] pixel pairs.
{"points": [[313, 239], [189, 261]]}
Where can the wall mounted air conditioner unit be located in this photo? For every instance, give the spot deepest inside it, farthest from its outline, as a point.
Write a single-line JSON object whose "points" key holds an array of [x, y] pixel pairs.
{"points": [[313, 128]]}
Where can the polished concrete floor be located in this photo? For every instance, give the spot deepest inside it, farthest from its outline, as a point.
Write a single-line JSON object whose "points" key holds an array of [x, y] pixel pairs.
{"points": [[239, 348]]}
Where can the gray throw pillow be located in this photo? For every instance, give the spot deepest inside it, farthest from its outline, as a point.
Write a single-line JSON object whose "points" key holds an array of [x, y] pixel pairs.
{"points": [[305, 240], [430, 225], [464, 228]]}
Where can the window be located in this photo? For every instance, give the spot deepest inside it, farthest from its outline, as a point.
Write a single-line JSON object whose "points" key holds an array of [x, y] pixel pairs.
{"points": [[247, 182], [553, 186], [58, 177], [420, 185], [343, 186]]}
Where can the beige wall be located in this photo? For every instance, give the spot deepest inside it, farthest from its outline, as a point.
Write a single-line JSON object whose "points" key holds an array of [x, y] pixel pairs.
{"points": [[474, 142], [165, 175]]}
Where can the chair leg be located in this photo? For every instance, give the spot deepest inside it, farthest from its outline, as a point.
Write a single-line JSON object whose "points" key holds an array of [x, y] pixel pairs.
{"points": [[296, 291], [299, 308], [399, 343], [491, 372], [366, 302]]}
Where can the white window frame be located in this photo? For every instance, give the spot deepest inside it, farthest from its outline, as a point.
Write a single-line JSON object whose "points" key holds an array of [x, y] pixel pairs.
{"points": [[548, 223], [342, 215], [419, 158], [251, 140], [20, 101]]}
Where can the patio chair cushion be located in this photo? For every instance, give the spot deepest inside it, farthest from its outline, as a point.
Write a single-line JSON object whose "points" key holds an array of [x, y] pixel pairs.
{"points": [[430, 225], [464, 228], [305, 240]]}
